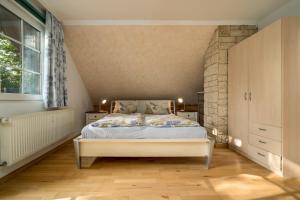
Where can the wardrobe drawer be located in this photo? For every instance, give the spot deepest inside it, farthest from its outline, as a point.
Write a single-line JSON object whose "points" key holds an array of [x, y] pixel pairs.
{"points": [[266, 144], [266, 131], [265, 158]]}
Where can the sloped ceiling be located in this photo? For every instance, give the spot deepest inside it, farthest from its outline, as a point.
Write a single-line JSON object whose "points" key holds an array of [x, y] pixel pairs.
{"points": [[140, 62]]}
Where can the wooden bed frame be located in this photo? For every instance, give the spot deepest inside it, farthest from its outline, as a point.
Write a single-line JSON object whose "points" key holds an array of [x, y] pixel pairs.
{"points": [[144, 147]]}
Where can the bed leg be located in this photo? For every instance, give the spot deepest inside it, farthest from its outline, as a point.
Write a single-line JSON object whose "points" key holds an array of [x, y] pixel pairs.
{"points": [[76, 142], [210, 151], [207, 162]]}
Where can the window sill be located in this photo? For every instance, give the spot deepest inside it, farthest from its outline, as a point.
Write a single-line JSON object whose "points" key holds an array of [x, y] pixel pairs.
{"points": [[20, 97]]}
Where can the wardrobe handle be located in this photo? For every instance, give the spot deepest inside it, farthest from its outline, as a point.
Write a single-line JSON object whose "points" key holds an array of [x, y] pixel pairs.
{"points": [[260, 154], [245, 96], [262, 129], [250, 96], [263, 142]]}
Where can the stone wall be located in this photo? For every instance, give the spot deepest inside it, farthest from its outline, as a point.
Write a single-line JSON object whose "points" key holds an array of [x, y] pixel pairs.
{"points": [[215, 77]]}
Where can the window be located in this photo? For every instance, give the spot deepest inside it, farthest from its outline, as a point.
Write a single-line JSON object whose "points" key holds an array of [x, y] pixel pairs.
{"points": [[20, 55]]}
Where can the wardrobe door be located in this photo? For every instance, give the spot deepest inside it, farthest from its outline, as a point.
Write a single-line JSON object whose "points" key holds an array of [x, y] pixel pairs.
{"points": [[291, 127], [238, 96], [265, 77]]}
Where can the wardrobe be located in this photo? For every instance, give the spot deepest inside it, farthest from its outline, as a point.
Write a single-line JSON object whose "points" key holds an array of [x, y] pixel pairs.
{"points": [[264, 97]]}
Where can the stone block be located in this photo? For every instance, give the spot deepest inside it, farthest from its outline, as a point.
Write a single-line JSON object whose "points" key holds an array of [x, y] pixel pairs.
{"points": [[222, 95], [211, 97], [227, 39], [239, 33], [212, 105], [223, 102], [208, 54], [212, 111], [210, 89], [223, 129], [223, 56], [222, 84], [226, 45], [223, 69], [224, 89], [224, 30], [240, 38], [214, 38], [251, 32], [222, 111], [212, 83], [252, 27], [222, 78], [222, 139], [215, 47], [211, 70], [210, 78], [243, 27], [235, 27]]}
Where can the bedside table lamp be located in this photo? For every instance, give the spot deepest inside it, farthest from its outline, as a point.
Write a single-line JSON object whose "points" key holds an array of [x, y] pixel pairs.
{"points": [[101, 103], [181, 101]]}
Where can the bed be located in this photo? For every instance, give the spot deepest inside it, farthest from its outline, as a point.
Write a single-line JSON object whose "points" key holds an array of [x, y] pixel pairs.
{"points": [[143, 128]]}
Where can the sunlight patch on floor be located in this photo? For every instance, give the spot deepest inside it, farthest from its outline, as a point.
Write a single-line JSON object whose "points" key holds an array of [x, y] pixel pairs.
{"points": [[247, 186]]}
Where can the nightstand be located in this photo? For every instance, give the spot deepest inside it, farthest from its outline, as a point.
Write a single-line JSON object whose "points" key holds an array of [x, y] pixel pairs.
{"points": [[188, 115], [94, 116]]}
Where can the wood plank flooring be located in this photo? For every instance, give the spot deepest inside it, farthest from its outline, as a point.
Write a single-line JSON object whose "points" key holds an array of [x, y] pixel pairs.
{"points": [[231, 177]]}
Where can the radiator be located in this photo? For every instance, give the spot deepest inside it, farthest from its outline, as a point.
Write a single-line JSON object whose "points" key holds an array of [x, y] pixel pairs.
{"points": [[24, 135]]}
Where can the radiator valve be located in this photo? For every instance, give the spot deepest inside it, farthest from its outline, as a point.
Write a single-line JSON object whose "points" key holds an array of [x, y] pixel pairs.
{"points": [[3, 163], [5, 120]]}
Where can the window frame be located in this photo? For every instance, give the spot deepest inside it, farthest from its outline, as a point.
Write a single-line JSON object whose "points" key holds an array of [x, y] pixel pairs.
{"points": [[27, 17]]}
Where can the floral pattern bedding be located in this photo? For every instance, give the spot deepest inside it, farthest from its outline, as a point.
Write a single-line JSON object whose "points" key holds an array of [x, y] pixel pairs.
{"points": [[120, 120], [137, 119], [170, 120]]}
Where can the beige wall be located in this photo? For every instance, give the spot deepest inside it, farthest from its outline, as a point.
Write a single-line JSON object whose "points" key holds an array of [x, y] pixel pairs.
{"points": [[140, 62]]}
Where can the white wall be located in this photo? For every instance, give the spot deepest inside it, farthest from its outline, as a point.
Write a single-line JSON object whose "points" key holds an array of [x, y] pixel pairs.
{"points": [[78, 98], [10, 108], [290, 9]]}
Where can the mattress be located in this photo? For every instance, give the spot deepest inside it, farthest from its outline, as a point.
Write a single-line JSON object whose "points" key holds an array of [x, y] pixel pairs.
{"points": [[144, 132]]}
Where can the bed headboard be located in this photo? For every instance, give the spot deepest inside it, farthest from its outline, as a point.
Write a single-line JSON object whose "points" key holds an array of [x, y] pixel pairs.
{"points": [[140, 102]]}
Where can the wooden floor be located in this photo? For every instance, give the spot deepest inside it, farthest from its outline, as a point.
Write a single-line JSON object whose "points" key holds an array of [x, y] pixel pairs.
{"points": [[231, 177]]}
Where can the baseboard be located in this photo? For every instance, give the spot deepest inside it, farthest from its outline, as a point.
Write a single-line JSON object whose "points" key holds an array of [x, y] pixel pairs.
{"points": [[238, 151], [290, 169], [10, 171], [279, 173]]}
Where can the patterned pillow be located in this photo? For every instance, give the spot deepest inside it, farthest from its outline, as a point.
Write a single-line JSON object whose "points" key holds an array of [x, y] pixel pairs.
{"points": [[125, 107], [158, 108]]}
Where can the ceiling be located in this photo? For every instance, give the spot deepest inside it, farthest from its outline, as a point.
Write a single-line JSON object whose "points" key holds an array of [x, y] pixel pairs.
{"points": [[203, 10]]}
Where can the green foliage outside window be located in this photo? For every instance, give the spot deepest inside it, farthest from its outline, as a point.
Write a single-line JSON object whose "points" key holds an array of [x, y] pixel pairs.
{"points": [[10, 66]]}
